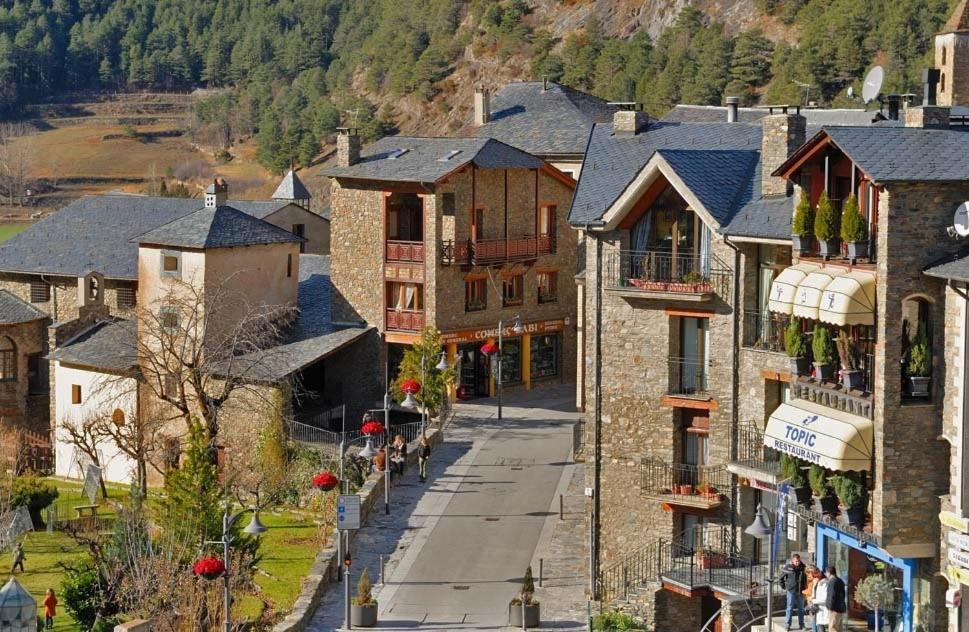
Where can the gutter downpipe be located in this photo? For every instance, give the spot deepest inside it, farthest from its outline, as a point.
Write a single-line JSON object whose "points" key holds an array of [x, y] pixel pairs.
{"points": [[597, 421], [735, 368], [963, 434]]}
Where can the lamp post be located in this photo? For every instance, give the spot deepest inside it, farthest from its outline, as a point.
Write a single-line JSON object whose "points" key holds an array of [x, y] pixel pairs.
{"points": [[386, 456], [367, 452], [411, 402], [518, 329], [761, 528], [254, 528]]}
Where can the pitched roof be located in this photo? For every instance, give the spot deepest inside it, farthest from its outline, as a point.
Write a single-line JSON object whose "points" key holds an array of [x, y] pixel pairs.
{"points": [[959, 20], [427, 160], [291, 188], [13, 310], [955, 268], [219, 227], [716, 177], [544, 122], [110, 345], [814, 116]]}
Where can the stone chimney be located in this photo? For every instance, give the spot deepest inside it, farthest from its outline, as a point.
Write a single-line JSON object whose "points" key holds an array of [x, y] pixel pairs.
{"points": [[733, 109], [482, 105], [347, 147], [928, 115], [629, 122], [217, 193], [784, 131]]}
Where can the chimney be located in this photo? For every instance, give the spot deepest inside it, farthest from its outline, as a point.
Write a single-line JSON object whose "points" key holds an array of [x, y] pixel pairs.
{"points": [[217, 193], [733, 105], [894, 106], [629, 122], [347, 147], [928, 115], [482, 106], [784, 130]]}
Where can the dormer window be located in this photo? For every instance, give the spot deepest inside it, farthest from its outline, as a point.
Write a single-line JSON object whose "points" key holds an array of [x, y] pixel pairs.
{"points": [[171, 263]]}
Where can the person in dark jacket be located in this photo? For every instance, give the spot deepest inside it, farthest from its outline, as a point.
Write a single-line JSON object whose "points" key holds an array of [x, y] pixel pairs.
{"points": [[794, 581], [423, 452], [836, 601]]}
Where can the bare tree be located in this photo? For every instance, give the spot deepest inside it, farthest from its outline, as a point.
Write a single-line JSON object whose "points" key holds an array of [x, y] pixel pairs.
{"points": [[16, 156], [85, 437]]}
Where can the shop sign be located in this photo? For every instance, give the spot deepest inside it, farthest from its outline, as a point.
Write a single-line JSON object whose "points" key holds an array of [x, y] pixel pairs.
{"points": [[761, 485], [480, 335], [954, 521], [959, 558], [958, 540], [957, 574]]}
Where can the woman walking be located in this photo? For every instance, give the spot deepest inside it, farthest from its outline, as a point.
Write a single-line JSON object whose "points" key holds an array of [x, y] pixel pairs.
{"points": [[50, 609], [398, 455], [423, 452]]}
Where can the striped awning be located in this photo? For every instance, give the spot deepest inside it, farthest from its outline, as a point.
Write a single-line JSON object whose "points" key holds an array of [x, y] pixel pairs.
{"points": [[807, 299], [849, 300], [820, 435], [784, 288]]}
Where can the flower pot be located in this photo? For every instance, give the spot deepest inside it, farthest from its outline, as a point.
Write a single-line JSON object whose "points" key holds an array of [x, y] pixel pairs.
{"points": [[823, 371], [828, 248], [857, 249], [800, 366], [856, 516], [363, 616], [685, 490], [533, 615], [919, 386], [829, 505], [803, 244], [803, 495], [853, 380]]}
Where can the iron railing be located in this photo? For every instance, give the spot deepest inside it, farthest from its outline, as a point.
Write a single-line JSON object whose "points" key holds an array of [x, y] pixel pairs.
{"points": [[490, 251], [765, 331], [689, 376], [657, 477], [578, 439], [330, 419], [658, 271], [404, 251], [814, 516], [405, 319], [751, 451], [330, 440], [833, 396]]}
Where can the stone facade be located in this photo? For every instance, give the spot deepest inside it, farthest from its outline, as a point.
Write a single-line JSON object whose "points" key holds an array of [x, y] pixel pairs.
{"points": [[21, 406], [952, 59], [63, 304], [783, 134]]}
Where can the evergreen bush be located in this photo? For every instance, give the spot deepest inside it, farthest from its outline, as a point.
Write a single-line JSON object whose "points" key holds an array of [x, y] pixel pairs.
{"points": [[364, 596], [826, 219], [920, 354], [847, 489], [794, 342], [818, 480], [803, 224], [854, 229], [31, 491], [822, 346], [791, 471], [875, 592]]}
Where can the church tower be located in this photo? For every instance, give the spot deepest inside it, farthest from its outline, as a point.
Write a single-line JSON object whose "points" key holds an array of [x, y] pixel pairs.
{"points": [[952, 58]]}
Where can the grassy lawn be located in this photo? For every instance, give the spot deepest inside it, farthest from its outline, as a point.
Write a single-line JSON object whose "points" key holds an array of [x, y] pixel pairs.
{"points": [[9, 230]]}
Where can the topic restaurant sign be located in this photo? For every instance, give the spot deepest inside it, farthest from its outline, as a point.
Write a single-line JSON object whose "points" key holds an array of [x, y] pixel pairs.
{"points": [[481, 335]]}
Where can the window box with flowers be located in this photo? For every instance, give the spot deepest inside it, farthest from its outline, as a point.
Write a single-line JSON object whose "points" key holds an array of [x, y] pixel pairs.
{"points": [[209, 567]]}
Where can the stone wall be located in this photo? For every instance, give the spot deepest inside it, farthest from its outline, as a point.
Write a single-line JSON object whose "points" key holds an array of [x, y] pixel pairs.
{"points": [[783, 135], [356, 254], [953, 88], [63, 305], [18, 408]]}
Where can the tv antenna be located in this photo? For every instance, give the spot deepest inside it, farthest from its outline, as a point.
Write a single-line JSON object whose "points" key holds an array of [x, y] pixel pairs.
{"points": [[353, 116], [960, 222], [807, 90], [873, 84]]}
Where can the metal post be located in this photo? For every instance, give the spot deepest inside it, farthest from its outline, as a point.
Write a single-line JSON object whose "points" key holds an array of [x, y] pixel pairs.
{"points": [[423, 397], [387, 453], [226, 619], [541, 570], [346, 597], [381, 570], [524, 627], [501, 326], [561, 508], [339, 533], [770, 584]]}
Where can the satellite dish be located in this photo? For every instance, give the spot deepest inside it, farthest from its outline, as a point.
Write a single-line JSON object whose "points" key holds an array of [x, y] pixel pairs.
{"points": [[873, 84], [960, 221]]}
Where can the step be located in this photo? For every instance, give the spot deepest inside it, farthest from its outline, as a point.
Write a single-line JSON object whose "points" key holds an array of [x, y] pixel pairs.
{"points": [[779, 624]]}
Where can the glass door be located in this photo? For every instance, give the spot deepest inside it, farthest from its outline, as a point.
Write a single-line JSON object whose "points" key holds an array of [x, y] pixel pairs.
{"points": [[694, 359]]}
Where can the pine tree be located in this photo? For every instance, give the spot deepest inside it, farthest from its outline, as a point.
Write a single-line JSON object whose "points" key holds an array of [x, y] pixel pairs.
{"points": [[192, 502]]}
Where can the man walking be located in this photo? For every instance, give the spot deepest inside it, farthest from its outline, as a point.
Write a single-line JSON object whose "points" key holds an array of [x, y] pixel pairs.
{"points": [[18, 558], [423, 453], [794, 581], [835, 601]]}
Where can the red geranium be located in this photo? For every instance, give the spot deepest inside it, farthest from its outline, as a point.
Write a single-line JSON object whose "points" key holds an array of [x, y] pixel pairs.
{"points": [[410, 386], [325, 481], [372, 428], [489, 348], [209, 567]]}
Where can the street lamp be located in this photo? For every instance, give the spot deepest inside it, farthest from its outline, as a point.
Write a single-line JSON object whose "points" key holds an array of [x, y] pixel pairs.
{"points": [[411, 402], [254, 528], [761, 528], [517, 329], [366, 453]]}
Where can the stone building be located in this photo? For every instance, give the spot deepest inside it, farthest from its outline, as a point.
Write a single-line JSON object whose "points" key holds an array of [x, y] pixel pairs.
{"points": [[459, 234]]}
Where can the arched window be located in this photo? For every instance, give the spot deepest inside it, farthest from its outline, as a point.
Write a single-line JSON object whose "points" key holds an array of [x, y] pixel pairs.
{"points": [[917, 358], [117, 417], [8, 360]]}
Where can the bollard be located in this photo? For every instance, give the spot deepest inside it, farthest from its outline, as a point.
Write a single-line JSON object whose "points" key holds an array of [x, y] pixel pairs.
{"points": [[541, 569], [561, 508], [381, 570]]}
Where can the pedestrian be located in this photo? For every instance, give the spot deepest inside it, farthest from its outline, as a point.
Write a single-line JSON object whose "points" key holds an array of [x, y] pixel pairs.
{"points": [[819, 596], [50, 609], [18, 558], [808, 593], [794, 581], [398, 455], [380, 460], [423, 452], [835, 601]]}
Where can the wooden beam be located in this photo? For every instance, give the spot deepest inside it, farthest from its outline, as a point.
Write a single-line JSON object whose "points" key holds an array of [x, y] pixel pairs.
{"points": [[643, 203], [777, 376], [672, 401], [685, 311]]}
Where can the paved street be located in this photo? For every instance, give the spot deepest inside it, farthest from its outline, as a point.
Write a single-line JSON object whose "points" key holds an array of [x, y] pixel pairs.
{"points": [[458, 546]]}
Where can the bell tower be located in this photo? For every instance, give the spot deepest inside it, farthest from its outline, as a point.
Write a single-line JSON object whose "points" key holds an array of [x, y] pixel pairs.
{"points": [[952, 58]]}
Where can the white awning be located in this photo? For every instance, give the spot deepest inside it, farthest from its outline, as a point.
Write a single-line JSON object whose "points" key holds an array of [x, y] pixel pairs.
{"points": [[849, 300], [784, 287], [820, 435], [808, 296]]}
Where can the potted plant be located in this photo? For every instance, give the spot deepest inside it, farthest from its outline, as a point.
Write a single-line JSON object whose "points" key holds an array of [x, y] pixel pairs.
{"points": [[852, 498], [854, 229], [363, 608], [827, 502], [796, 347], [802, 228], [693, 281], [707, 490], [851, 376], [877, 593], [474, 305], [524, 605], [209, 567], [823, 348], [826, 227], [792, 473], [685, 489], [920, 364], [707, 558]]}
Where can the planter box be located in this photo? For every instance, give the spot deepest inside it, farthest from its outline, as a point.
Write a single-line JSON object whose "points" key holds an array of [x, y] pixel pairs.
{"points": [[829, 505], [684, 490], [853, 380], [856, 517], [919, 386], [803, 495], [708, 560], [857, 250], [800, 366], [363, 616], [690, 288], [828, 248], [533, 615], [802, 244], [823, 371], [653, 286]]}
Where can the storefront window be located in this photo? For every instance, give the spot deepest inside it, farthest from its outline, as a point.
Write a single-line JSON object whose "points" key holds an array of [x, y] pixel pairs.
{"points": [[545, 356], [511, 362]]}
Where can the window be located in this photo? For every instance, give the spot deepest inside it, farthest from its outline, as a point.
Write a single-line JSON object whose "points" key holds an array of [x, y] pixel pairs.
{"points": [[300, 231], [117, 417], [75, 393], [8, 360], [511, 361], [170, 385], [511, 290], [126, 297], [448, 204], [546, 221], [405, 297], [475, 295], [548, 287], [38, 381], [171, 263], [168, 318], [289, 266], [39, 292], [545, 356]]}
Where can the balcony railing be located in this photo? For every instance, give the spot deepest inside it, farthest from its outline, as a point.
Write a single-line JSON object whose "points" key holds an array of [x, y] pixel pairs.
{"points": [[659, 272], [833, 395], [404, 320], [814, 515], [708, 567], [689, 377], [491, 251], [765, 331], [754, 459], [683, 484], [404, 251]]}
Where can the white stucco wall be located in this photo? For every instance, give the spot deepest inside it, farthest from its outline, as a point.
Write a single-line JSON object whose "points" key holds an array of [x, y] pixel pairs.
{"points": [[101, 394]]}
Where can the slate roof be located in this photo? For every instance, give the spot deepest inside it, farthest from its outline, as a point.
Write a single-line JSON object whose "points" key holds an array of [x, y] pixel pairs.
{"points": [[291, 188], [814, 117], [110, 345], [219, 227], [555, 121], [716, 177], [14, 310], [423, 159], [955, 268]]}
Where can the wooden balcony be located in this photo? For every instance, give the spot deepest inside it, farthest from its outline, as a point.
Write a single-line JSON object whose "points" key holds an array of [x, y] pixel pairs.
{"points": [[404, 320], [496, 251], [656, 274], [696, 486], [404, 251]]}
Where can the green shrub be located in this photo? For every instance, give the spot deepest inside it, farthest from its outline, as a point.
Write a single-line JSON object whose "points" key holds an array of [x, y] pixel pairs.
{"points": [[854, 228], [818, 480], [826, 220], [803, 224], [848, 490], [794, 342], [791, 471], [875, 592], [615, 620], [822, 346], [920, 354], [84, 597], [33, 492], [364, 596]]}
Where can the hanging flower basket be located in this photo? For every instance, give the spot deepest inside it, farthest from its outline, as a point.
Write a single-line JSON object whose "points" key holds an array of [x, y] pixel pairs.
{"points": [[372, 428], [209, 567], [325, 481], [489, 348], [410, 386]]}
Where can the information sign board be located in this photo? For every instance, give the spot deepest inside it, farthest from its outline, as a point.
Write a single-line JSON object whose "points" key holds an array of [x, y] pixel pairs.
{"points": [[348, 511]]}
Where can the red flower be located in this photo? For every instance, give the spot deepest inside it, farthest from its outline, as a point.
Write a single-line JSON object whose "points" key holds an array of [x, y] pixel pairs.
{"points": [[325, 481], [209, 567], [489, 348], [410, 386], [372, 428]]}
